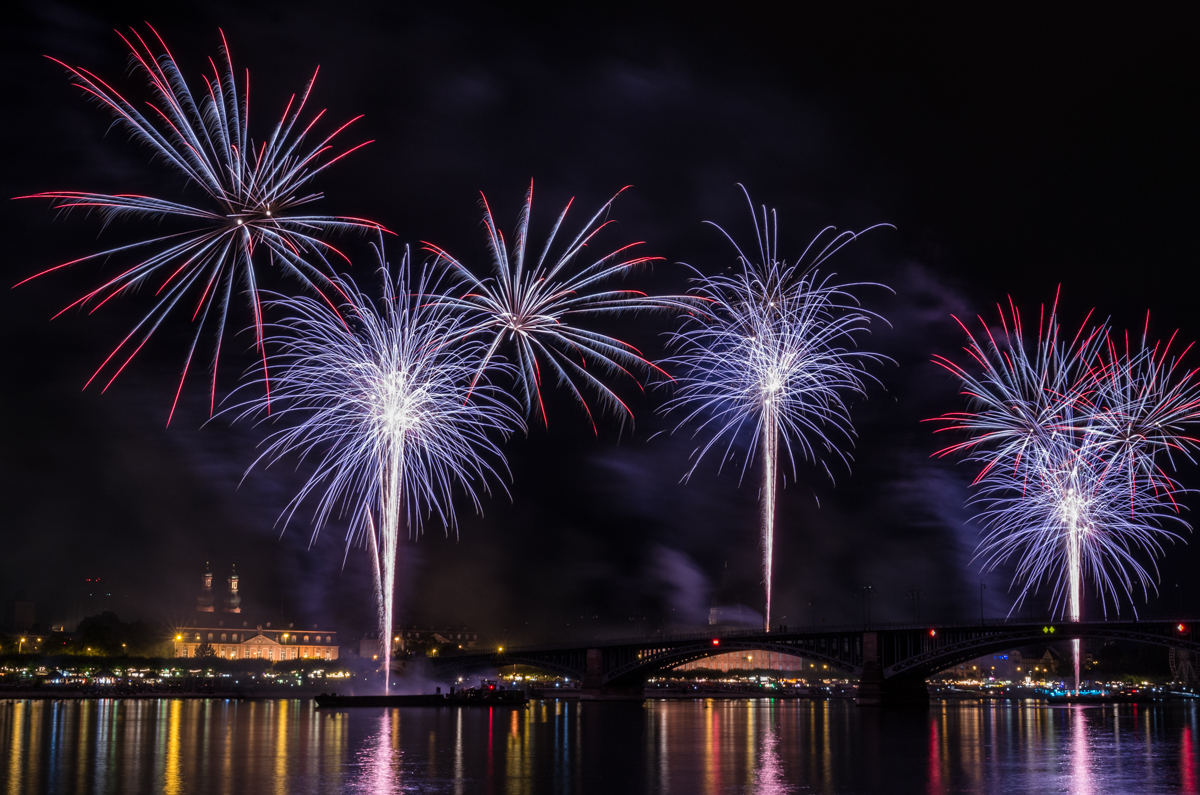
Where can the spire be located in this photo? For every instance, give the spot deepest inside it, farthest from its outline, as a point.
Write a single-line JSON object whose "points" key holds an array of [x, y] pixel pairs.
{"points": [[204, 602], [234, 599]]}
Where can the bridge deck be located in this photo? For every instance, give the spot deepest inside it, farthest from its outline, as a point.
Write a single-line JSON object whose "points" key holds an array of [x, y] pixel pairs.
{"points": [[912, 651]]}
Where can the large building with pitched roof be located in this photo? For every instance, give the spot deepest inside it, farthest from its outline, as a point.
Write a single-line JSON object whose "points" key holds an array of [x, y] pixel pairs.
{"points": [[234, 635]]}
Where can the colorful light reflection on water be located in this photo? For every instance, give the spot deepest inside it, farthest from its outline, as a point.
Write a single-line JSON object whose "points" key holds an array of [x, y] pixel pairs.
{"points": [[703, 747]]}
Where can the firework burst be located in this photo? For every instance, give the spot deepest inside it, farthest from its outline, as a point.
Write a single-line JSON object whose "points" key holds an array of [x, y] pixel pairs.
{"points": [[392, 406], [531, 309], [769, 362], [1071, 436], [251, 209]]}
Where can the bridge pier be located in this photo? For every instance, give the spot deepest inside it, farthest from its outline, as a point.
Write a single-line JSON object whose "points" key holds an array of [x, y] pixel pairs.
{"points": [[594, 689], [876, 691]]}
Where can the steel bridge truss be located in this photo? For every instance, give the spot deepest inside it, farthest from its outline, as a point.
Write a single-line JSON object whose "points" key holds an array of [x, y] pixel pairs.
{"points": [[899, 652]]}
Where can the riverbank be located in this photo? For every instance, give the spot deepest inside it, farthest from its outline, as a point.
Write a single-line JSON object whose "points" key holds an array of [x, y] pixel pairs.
{"points": [[76, 694]]}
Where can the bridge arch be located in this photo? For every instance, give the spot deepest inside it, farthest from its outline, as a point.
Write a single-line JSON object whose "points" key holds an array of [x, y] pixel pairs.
{"points": [[902, 655], [452, 667], [657, 660], [957, 650]]}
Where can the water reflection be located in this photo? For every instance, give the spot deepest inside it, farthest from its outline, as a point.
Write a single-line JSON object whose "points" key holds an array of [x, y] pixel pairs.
{"points": [[380, 758], [717, 747], [1080, 756], [769, 777], [1187, 757]]}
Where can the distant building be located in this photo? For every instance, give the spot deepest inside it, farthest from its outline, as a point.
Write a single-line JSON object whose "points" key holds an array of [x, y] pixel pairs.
{"points": [[751, 661], [204, 602], [89, 597], [263, 642], [241, 640], [369, 648], [405, 638], [1011, 666]]}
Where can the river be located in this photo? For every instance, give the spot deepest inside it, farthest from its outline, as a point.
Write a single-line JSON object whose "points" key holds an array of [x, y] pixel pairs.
{"points": [[706, 747]]}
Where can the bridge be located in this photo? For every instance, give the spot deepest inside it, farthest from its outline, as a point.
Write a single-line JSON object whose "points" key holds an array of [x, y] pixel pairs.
{"points": [[890, 661]]}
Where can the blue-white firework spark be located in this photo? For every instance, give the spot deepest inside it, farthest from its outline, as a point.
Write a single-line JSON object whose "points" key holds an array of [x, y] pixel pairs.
{"points": [[769, 361], [1071, 437], [391, 404]]}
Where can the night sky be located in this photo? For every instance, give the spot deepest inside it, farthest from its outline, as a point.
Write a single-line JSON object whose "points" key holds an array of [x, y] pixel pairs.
{"points": [[1013, 154]]}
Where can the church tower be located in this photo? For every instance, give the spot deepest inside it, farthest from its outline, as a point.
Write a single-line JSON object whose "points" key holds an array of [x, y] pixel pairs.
{"points": [[204, 602], [233, 600]]}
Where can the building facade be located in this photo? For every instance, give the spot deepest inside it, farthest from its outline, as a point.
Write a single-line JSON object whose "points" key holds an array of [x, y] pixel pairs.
{"points": [[230, 635], [752, 661], [414, 638], [260, 643]]}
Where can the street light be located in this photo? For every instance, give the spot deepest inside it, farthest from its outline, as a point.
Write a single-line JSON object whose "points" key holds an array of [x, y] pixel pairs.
{"points": [[20, 645]]}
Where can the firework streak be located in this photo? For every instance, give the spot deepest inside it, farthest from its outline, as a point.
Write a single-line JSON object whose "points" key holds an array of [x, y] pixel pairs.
{"points": [[769, 361], [1073, 435], [393, 406]]}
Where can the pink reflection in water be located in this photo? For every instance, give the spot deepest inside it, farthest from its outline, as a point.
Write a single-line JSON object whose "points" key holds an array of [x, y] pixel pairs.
{"points": [[935, 759], [1187, 762], [379, 759], [1081, 754], [769, 778]]}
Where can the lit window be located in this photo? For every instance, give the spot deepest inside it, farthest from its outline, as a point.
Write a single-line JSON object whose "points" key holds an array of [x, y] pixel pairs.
{"points": [[210, 636], [222, 637]]}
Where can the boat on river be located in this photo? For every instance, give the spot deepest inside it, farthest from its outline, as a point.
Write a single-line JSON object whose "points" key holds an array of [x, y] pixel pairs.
{"points": [[1121, 697], [486, 696]]}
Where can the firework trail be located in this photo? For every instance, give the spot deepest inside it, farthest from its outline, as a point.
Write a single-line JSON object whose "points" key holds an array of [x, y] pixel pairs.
{"points": [[530, 308], [1071, 436], [393, 408], [769, 361], [252, 196]]}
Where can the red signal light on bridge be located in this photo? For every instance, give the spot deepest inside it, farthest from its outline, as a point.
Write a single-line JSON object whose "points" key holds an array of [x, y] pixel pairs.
{"points": [[716, 642], [1182, 628], [932, 632]]}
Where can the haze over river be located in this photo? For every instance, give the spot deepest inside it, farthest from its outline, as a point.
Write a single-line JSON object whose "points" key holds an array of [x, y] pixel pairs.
{"points": [[693, 747]]}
